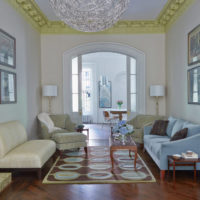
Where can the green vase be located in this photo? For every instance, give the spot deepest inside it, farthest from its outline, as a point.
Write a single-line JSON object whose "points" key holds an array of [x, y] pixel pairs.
{"points": [[119, 106]]}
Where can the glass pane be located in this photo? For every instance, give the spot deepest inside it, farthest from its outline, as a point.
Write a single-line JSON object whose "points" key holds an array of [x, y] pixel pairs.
{"points": [[133, 84], [75, 65], [133, 66], [75, 102], [74, 83], [133, 102]]}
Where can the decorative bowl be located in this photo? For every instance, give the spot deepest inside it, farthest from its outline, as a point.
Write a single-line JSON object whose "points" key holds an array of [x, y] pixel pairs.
{"points": [[176, 156]]}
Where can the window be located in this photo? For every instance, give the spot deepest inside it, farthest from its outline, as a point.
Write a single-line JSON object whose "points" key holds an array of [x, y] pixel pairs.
{"points": [[86, 91], [133, 91], [75, 93]]}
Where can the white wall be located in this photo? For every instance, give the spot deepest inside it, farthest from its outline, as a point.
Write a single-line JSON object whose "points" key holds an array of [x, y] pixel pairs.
{"points": [[53, 47], [113, 66], [176, 58], [28, 70]]}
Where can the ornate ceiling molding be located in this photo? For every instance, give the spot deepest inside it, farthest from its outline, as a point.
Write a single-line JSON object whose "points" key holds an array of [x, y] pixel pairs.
{"points": [[172, 10]]}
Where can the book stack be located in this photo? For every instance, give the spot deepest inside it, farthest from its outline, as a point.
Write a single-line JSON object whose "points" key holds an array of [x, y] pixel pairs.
{"points": [[190, 155]]}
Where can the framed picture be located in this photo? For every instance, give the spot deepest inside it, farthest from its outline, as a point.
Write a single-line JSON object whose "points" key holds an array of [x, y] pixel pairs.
{"points": [[105, 95], [8, 92], [194, 46], [7, 49], [194, 85]]}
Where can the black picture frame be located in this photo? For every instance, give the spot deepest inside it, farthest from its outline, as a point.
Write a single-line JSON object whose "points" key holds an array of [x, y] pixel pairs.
{"points": [[8, 87], [194, 46], [105, 95], [7, 50], [194, 85]]}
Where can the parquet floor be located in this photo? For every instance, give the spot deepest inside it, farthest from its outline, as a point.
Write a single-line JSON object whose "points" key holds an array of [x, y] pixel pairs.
{"points": [[26, 186]]}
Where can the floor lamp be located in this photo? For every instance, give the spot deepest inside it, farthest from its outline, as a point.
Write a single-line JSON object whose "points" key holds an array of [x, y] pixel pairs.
{"points": [[49, 91], [157, 91]]}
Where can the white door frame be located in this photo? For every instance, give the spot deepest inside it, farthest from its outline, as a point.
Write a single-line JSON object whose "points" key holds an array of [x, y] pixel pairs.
{"points": [[104, 47]]}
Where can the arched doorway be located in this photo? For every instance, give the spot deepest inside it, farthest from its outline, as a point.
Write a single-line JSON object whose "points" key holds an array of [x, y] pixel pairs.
{"points": [[79, 51]]}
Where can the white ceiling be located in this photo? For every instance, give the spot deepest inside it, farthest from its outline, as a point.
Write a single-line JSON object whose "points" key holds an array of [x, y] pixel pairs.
{"points": [[137, 9]]}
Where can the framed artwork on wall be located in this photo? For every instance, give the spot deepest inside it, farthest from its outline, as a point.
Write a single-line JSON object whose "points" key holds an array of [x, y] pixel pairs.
{"points": [[194, 46], [194, 85], [7, 49], [8, 91], [105, 95]]}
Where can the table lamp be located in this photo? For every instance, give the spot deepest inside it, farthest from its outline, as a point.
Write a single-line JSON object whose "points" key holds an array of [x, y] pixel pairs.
{"points": [[49, 91], [157, 91]]}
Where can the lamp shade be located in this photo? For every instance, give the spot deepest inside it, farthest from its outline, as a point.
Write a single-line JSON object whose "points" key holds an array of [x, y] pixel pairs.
{"points": [[49, 90], [157, 91]]}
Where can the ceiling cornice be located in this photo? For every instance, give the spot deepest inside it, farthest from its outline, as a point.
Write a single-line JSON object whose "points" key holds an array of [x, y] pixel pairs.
{"points": [[172, 10]]}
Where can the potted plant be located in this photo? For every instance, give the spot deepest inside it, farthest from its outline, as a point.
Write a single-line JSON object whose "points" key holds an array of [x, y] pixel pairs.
{"points": [[119, 103]]}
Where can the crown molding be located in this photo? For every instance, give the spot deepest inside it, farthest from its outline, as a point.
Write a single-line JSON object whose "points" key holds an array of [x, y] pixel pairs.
{"points": [[170, 13]]}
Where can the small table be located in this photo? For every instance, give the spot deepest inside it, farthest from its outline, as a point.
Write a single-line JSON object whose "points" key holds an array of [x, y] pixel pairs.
{"points": [[182, 162], [118, 145], [84, 129], [118, 112]]}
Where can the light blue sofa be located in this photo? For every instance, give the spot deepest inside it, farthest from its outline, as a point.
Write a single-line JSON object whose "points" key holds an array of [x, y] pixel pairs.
{"points": [[159, 147]]}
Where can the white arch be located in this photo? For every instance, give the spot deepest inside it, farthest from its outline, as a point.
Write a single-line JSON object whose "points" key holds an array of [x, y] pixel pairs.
{"points": [[104, 47]]}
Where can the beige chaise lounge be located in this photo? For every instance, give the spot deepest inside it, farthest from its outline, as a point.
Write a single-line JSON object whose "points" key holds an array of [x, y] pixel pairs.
{"points": [[18, 153]]}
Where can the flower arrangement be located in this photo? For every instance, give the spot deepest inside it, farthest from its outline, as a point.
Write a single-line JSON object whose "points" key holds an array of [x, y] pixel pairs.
{"points": [[119, 103], [123, 128]]}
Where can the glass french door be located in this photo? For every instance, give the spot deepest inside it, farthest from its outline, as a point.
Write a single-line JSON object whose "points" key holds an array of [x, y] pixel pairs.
{"points": [[76, 69]]}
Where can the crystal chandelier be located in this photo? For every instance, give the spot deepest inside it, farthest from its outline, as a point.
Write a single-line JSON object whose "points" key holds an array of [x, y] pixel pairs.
{"points": [[89, 15]]}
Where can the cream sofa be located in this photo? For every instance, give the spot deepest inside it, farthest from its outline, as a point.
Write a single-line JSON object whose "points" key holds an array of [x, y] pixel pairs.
{"points": [[18, 153]]}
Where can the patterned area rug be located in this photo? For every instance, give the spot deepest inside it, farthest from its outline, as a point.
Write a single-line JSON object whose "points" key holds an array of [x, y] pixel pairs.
{"points": [[75, 167]]}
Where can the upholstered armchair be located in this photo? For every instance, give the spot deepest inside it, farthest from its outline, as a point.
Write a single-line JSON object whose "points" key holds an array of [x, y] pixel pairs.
{"points": [[62, 130], [60, 121], [139, 122]]}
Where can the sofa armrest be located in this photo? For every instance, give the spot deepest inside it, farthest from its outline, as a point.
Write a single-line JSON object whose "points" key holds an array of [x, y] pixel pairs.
{"points": [[44, 132], [178, 146], [147, 130]]}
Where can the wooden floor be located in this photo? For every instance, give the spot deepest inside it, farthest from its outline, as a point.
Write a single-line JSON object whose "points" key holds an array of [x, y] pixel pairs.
{"points": [[26, 186]]}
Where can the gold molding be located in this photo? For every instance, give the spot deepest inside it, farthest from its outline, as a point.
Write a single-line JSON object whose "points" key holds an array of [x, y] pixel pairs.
{"points": [[170, 13]]}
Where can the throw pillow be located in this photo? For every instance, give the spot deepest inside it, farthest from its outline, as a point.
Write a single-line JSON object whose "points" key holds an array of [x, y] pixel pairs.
{"points": [[170, 126], [159, 127], [180, 134]]}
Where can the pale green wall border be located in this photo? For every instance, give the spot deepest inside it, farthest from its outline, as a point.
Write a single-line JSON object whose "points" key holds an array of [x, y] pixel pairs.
{"points": [[169, 14]]}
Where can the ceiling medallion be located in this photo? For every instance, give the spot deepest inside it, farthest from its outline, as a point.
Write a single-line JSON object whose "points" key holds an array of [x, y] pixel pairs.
{"points": [[89, 15]]}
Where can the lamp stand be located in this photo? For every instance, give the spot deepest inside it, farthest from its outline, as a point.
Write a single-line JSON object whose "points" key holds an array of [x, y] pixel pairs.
{"points": [[49, 108], [157, 106]]}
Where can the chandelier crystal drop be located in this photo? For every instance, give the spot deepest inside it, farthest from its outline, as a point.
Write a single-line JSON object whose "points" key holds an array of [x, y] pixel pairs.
{"points": [[89, 15]]}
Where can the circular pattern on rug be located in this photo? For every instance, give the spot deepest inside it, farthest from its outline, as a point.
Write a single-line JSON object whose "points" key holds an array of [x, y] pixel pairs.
{"points": [[102, 166], [134, 175], [80, 153], [69, 167], [129, 166], [99, 175], [64, 176], [124, 159], [73, 160], [100, 153], [99, 159], [123, 153]]}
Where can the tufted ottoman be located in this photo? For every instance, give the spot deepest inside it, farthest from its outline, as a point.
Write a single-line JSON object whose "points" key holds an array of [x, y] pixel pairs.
{"points": [[5, 180], [70, 140]]}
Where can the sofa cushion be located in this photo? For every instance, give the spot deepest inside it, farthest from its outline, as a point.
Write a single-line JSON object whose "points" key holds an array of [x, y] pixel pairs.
{"points": [[12, 134], [159, 128], [177, 126], [193, 129], [154, 142], [69, 137], [170, 126], [59, 120], [31, 154], [180, 135]]}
